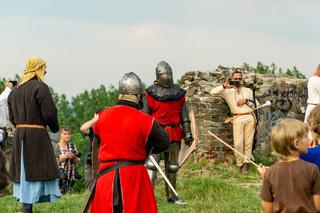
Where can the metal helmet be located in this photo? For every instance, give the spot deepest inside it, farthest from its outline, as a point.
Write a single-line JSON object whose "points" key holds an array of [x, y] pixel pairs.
{"points": [[130, 84], [164, 74]]}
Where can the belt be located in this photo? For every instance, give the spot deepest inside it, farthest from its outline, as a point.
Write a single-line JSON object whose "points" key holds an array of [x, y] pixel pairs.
{"points": [[103, 172], [312, 104], [34, 126], [234, 116], [246, 113]]}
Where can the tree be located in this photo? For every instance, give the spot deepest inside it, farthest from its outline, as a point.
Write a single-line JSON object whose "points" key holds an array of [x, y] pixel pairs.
{"points": [[273, 69], [80, 109]]}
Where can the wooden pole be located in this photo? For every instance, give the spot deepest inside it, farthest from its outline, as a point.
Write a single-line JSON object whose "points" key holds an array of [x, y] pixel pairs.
{"points": [[219, 139], [162, 174], [194, 143]]}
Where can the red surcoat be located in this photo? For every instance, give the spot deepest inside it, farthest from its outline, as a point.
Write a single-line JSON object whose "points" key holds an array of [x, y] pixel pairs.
{"points": [[168, 115], [123, 133]]}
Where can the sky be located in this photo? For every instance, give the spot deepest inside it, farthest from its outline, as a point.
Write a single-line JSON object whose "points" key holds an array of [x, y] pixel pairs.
{"points": [[89, 43]]}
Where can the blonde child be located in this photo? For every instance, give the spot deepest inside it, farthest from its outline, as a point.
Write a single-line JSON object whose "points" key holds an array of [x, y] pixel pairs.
{"points": [[290, 185]]}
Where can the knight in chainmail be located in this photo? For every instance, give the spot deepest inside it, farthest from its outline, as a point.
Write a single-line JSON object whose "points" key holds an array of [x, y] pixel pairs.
{"points": [[165, 101]]}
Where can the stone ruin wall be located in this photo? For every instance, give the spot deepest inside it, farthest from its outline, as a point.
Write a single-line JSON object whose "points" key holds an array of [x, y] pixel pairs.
{"points": [[287, 94]]}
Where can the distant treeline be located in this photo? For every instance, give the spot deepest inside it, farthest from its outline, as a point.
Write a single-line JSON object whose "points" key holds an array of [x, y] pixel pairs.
{"points": [[273, 69]]}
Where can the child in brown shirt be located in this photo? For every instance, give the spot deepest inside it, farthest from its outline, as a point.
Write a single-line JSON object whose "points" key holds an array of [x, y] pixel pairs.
{"points": [[291, 185]]}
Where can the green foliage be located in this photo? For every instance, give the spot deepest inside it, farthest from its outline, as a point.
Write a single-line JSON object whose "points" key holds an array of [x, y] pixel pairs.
{"points": [[273, 69], [296, 73], [261, 68], [77, 111]]}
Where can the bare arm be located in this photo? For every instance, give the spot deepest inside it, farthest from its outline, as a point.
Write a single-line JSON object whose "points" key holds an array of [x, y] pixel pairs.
{"points": [[267, 207], [85, 128]]}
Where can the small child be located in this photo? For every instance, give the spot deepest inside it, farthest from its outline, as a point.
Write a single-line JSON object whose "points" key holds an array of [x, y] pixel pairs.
{"points": [[313, 154], [291, 184]]}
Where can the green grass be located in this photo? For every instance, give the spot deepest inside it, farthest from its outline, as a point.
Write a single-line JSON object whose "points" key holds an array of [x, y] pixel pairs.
{"points": [[207, 187]]}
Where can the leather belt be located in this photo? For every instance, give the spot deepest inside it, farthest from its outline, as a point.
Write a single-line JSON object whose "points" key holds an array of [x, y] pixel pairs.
{"points": [[246, 113], [103, 172], [35, 126], [312, 104], [234, 116]]}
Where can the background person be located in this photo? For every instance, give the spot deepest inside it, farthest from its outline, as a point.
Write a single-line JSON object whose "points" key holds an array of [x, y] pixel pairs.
{"points": [[290, 185], [313, 154], [4, 112], [4, 119], [68, 158], [240, 102], [166, 103], [313, 92], [33, 168]]}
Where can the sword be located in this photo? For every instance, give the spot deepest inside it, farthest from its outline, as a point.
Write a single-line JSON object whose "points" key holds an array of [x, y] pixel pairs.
{"points": [[162, 174], [194, 143], [230, 119], [219, 139]]}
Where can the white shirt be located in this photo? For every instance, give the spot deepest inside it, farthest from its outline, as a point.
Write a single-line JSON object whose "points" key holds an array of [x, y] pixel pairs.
{"points": [[314, 90], [4, 113], [231, 96]]}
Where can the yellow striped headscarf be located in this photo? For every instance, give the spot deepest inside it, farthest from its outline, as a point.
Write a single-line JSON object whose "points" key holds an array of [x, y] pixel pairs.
{"points": [[35, 66]]}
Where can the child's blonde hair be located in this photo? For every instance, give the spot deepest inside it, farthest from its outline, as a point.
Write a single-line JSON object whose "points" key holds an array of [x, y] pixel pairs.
{"points": [[314, 123], [283, 135]]}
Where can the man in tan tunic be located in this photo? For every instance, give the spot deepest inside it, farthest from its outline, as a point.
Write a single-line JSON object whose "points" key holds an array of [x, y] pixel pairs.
{"points": [[240, 102]]}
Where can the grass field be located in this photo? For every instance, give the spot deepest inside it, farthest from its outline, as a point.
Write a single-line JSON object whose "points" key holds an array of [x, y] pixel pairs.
{"points": [[207, 187]]}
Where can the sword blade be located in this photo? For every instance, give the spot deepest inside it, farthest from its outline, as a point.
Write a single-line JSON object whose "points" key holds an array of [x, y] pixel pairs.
{"points": [[219, 139], [162, 174]]}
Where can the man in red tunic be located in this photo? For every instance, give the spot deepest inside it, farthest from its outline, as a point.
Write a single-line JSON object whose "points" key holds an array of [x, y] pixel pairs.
{"points": [[166, 103], [127, 136]]}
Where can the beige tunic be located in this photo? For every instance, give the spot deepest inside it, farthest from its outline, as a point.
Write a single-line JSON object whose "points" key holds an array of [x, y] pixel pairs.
{"points": [[231, 96], [244, 125]]}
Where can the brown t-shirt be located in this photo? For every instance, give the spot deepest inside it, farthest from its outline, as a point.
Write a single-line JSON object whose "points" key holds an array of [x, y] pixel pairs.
{"points": [[290, 186]]}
